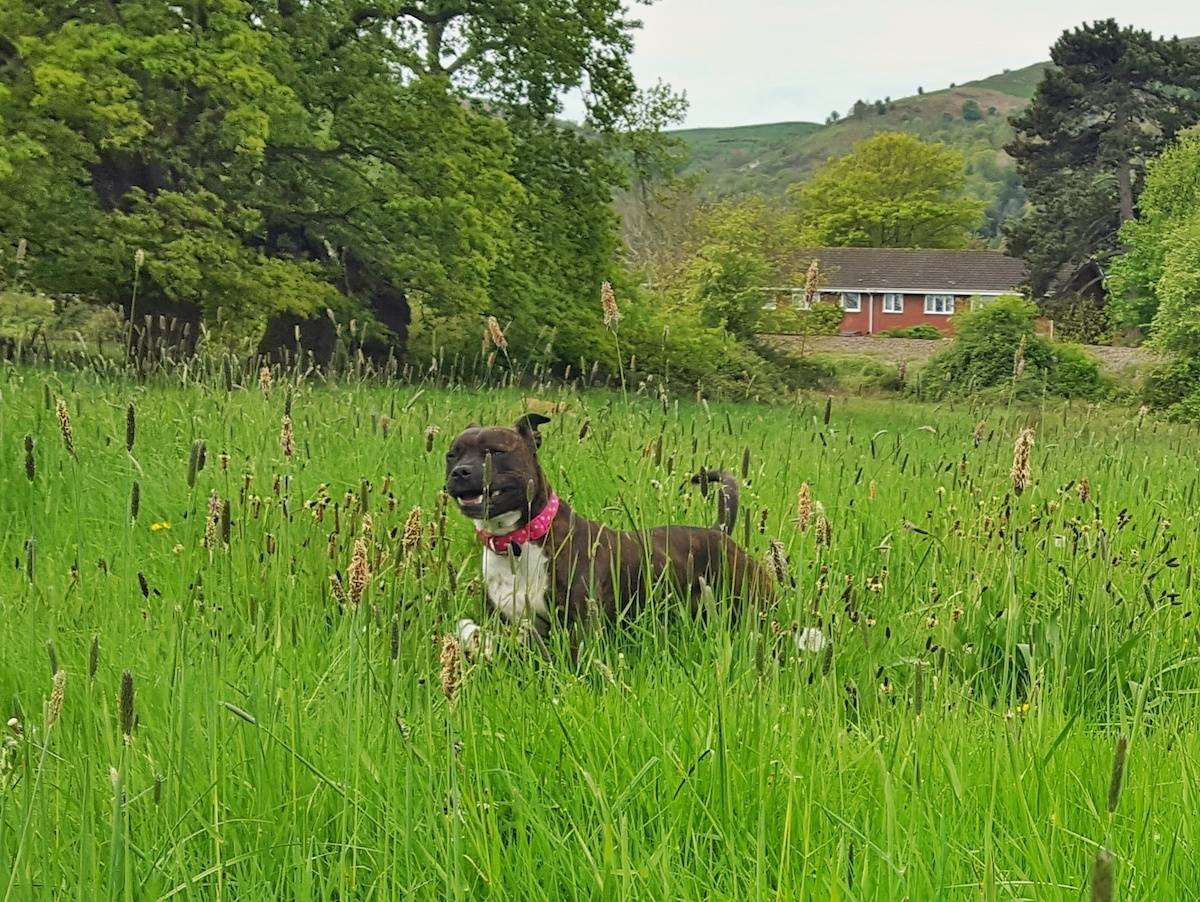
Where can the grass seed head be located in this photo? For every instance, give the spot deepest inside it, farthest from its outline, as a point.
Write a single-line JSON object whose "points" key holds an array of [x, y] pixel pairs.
{"points": [[126, 705], [30, 462], [264, 381], [358, 573], [226, 522], [450, 667], [824, 529], [1085, 490], [1102, 876], [94, 657], [135, 500], [130, 426], [496, 334], [64, 425], [608, 302], [337, 589], [1022, 463], [287, 437], [411, 538], [52, 654], [804, 507], [431, 433], [57, 694], [212, 524], [779, 564], [979, 433], [1118, 773], [812, 282]]}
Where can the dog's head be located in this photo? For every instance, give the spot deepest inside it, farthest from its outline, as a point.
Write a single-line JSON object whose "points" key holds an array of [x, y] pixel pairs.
{"points": [[492, 471]]}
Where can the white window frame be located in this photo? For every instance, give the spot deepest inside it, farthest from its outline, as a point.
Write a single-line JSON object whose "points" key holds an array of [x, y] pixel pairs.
{"points": [[893, 302], [939, 304], [846, 295], [798, 299]]}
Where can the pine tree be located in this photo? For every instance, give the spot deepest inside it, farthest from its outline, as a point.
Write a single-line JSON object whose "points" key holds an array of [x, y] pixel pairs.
{"points": [[1114, 98]]}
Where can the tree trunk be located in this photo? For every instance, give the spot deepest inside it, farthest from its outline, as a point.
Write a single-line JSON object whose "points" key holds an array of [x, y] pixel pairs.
{"points": [[1125, 189]]}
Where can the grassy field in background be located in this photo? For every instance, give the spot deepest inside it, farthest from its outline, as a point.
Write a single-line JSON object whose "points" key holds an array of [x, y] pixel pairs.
{"points": [[955, 740]]}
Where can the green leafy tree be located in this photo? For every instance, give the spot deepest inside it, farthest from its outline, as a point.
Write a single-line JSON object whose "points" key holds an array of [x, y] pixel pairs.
{"points": [[726, 284], [274, 157], [1158, 277], [740, 248], [892, 191], [1113, 99], [1151, 279]]}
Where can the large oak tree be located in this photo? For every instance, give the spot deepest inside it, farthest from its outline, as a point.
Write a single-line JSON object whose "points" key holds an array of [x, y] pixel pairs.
{"points": [[276, 157], [893, 190]]}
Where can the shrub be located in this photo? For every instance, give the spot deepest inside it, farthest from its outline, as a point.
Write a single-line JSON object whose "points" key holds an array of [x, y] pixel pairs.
{"points": [[862, 375], [971, 111], [1186, 410], [1079, 319], [23, 316], [923, 331], [799, 371], [820, 319], [984, 355], [1170, 383], [1076, 373]]}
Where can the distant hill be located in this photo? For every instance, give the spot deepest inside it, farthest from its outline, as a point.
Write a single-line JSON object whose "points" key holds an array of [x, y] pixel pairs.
{"points": [[972, 116]]}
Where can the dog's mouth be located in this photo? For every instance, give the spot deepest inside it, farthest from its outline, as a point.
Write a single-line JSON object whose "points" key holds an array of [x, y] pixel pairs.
{"points": [[473, 500]]}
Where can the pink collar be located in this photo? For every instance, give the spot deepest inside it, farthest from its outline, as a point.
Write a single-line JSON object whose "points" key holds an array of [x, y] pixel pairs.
{"points": [[532, 531]]}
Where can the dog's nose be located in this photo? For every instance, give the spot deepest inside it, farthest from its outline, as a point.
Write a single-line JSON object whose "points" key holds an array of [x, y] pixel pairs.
{"points": [[460, 472]]}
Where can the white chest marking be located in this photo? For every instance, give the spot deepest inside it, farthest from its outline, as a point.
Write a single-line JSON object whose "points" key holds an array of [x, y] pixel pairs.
{"points": [[518, 586]]}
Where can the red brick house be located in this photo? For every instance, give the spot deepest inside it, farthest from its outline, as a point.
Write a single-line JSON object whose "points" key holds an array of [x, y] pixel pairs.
{"points": [[892, 288]]}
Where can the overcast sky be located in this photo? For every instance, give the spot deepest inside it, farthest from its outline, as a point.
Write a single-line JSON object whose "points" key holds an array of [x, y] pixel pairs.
{"points": [[752, 61]]}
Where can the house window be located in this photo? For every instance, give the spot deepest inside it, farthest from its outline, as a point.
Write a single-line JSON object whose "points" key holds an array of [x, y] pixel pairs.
{"points": [[893, 303], [798, 299], [851, 301], [940, 304]]}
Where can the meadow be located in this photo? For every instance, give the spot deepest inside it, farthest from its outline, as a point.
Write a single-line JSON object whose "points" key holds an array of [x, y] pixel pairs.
{"points": [[246, 619]]}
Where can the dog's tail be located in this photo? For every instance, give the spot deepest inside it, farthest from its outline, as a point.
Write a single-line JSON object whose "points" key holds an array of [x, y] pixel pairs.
{"points": [[727, 496]]}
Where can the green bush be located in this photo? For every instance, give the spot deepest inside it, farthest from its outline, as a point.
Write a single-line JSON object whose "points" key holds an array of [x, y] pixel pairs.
{"points": [[1076, 373], [1170, 383], [23, 316], [799, 371], [664, 344], [1079, 319], [860, 374], [923, 331], [996, 345], [820, 319]]}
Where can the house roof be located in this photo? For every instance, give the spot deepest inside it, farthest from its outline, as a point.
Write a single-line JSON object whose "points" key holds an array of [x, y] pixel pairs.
{"points": [[913, 270]]}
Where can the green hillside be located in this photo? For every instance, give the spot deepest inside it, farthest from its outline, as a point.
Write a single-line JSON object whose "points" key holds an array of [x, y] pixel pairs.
{"points": [[972, 116]]}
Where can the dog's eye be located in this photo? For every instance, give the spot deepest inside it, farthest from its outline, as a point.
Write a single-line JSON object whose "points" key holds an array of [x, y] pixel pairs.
{"points": [[449, 455]]}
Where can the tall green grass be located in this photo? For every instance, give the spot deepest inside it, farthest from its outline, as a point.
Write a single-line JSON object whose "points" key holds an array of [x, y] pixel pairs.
{"points": [[987, 651]]}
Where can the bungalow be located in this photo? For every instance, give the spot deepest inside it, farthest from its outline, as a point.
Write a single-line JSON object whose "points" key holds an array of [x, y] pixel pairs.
{"points": [[891, 288]]}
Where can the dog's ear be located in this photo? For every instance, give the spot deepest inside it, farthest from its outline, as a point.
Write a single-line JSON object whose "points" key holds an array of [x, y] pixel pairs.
{"points": [[528, 425]]}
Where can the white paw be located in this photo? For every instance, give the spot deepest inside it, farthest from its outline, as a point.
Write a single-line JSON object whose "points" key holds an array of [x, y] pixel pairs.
{"points": [[810, 639], [474, 642]]}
